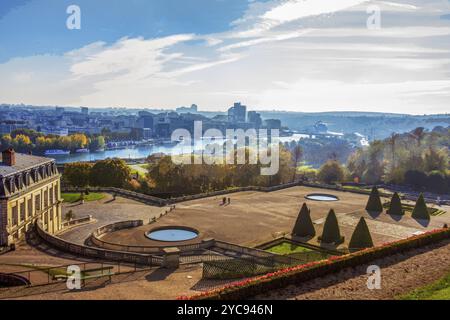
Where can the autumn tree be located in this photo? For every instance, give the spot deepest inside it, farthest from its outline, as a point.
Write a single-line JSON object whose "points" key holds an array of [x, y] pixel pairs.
{"points": [[77, 174], [110, 173]]}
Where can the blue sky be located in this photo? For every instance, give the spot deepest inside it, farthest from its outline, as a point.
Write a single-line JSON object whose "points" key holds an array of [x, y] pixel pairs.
{"points": [[31, 27], [300, 55]]}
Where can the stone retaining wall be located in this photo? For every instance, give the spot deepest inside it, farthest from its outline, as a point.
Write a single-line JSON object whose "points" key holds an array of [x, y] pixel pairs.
{"points": [[74, 222], [97, 234], [98, 253]]}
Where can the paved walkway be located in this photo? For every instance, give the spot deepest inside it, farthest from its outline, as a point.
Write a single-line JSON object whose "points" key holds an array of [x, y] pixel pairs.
{"points": [[107, 211]]}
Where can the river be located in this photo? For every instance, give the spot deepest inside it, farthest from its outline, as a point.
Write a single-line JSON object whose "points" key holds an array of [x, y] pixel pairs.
{"points": [[144, 151]]}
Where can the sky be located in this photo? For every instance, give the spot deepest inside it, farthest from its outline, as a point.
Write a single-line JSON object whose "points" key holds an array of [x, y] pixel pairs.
{"points": [[294, 55]]}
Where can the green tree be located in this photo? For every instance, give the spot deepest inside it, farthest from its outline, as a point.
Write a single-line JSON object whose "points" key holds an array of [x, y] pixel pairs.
{"points": [[375, 166], [110, 173], [97, 143], [395, 207], [361, 237], [297, 154], [435, 160], [331, 232], [374, 203], [303, 225], [331, 172], [420, 210], [77, 174]]}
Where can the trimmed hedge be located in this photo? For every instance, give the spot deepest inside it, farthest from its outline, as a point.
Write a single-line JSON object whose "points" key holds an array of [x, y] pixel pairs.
{"points": [[294, 275], [361, 237], [331, 232], [395, 207], [420, 210], [304, 226], [374, 202]]}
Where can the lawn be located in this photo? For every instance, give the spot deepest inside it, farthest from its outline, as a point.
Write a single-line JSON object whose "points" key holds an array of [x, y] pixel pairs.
{"points": [[140, 169], [439, 290], [74, 197], [287, 248]]}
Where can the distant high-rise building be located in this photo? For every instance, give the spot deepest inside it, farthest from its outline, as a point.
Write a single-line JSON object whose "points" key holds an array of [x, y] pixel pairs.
{"points": [[146, 120], [237, 113], [254, 118], [85, 110]]}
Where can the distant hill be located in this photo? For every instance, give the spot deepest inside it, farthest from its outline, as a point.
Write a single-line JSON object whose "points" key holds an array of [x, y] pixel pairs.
{"points": [[372, 124]]}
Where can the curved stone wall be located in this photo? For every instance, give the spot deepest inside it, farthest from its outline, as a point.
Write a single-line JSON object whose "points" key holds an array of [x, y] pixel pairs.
{"points": [[99, 253], [97, 241]]}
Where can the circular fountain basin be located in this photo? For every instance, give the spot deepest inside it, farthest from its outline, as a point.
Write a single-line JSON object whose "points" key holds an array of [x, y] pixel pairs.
{"points": [[321, 197], [172, 234]]}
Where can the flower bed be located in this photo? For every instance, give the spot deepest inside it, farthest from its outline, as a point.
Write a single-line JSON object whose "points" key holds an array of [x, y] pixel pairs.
{"points": [[297, 274]]}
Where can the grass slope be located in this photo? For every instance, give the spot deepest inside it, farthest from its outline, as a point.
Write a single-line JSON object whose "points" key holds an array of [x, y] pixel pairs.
{"points": [[74, 197], [287, 248], [439, 290]]}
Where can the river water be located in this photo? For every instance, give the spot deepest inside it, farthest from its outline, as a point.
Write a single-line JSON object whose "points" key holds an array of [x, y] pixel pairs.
{"points": [[145, 151]]}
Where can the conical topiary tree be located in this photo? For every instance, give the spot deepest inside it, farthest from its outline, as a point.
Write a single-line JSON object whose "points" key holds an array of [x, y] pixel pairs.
{"points": [[361, 237], [374, 203], [331, 232], [303, 225], [420, 210], [395, 208]]}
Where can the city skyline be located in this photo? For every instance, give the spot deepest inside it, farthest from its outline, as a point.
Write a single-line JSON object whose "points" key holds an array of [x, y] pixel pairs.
{"points": [[306, 56]]}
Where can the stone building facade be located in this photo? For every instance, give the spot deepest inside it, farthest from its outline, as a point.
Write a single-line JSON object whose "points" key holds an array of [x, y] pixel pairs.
{"points": [[29, 190]]}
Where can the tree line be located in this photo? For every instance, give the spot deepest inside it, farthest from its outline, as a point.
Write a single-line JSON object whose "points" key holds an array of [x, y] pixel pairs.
{"points": [[418, 159], [25, 140], [166, 178]]}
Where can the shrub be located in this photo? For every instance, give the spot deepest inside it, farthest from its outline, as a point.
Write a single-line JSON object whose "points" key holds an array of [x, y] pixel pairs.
{"points": [[303, 225], [361, 237], [331, 172], [374, 203], [420, 210], [436, 182], [416, 179], [331, 232], [395, 207]]}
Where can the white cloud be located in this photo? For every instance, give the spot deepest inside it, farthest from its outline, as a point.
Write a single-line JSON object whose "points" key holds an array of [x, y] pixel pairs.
{"points": [[296, 9], [287, 54]]}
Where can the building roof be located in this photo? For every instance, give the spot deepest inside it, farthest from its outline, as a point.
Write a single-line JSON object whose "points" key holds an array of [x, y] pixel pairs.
{"points": [[23, 162]]}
